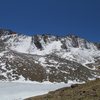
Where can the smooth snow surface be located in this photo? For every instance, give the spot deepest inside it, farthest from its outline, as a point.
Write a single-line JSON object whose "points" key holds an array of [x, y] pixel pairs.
{"points": [[22, 90]]}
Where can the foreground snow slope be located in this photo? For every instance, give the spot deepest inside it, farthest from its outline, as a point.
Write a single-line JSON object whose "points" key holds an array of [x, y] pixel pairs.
{"points": [[22, 90]]}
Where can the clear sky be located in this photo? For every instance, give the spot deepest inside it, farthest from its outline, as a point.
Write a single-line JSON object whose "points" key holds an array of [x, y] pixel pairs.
{"points": [[80, 17]]}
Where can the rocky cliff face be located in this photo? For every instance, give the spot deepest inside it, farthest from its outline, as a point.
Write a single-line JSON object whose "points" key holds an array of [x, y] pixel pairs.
{"points": [[47, 57]]}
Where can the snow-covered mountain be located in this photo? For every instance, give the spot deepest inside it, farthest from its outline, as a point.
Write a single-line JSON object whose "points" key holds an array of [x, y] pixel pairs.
{"points": [[47, 57]]}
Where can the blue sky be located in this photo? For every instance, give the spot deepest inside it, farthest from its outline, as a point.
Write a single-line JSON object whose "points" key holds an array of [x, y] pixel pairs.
{"points": [[58, 17]]}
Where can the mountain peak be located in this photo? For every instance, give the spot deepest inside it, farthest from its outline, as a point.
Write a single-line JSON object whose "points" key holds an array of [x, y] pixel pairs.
{"points": [[6, 32], [47, 57]]}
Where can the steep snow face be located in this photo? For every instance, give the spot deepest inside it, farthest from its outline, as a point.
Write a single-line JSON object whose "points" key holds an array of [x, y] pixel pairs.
{"points": [[25, 44], [76, 42], [20, 44], [81, 56], [49, 48], [70, 47]]}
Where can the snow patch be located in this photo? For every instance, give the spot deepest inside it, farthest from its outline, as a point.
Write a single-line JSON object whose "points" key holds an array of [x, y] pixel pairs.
{"points": [[20, 91]]}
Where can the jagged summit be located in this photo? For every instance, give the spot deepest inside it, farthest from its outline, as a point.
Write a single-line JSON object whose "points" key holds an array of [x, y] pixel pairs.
{"points": [[71, 40], [47, 57], [6, 32]]}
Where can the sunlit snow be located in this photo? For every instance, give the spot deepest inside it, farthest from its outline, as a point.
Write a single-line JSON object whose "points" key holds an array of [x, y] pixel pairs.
{"points": [[22, 90]]}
